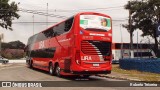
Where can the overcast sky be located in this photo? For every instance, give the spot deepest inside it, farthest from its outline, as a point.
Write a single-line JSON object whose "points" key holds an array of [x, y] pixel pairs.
{"points": [[66, 8]]}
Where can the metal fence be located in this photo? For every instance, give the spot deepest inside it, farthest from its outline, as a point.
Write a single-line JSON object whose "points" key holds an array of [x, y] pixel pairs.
{"points": [[146, 65]]}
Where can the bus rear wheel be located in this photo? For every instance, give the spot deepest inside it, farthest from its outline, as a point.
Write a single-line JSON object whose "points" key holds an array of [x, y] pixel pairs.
{"points": [[51, 70], [30, 64], [57, 71]]}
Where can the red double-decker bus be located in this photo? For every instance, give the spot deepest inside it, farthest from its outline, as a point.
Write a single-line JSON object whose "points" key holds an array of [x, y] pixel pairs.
{"points": [[80, 45]]}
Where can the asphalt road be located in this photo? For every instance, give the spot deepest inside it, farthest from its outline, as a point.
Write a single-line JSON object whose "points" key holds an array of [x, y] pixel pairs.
{"points": [[19, 72]]}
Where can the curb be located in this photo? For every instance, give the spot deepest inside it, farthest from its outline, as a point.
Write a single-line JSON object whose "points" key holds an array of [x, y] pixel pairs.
{"points": [[120, 78]]}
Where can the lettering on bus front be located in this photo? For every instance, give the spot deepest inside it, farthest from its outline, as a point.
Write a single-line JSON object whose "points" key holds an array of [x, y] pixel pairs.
{"points": [[86, 58]]}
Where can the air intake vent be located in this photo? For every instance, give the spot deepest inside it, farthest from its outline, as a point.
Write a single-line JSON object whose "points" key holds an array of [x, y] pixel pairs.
{"points": [[96, 47]]}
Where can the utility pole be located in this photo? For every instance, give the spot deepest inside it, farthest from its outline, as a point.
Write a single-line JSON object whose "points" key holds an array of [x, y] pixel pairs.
{"points": [[0, 45], [121, 42], [131, 33], [149, 45], [47, 17], [33, 24], [137, 45], [1, 37]]}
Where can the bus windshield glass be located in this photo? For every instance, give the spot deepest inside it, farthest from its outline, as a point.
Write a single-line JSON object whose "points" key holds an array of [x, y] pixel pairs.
{"points": [[95, 23]]}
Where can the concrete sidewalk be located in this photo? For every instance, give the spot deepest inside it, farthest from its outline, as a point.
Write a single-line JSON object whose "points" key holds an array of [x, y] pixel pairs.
{"points": [[120, 76]]}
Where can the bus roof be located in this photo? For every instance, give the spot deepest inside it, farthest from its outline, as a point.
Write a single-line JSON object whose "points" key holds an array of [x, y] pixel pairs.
{"points": [[80, 13]]}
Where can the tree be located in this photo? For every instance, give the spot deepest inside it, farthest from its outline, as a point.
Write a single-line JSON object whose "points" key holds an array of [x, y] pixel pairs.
{"points": [[13, 50], [17, 45], [8, 12], [145, 15], [13, 45]]}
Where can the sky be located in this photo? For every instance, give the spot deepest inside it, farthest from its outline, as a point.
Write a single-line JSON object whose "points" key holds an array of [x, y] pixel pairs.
{"points": [[67, 8]]}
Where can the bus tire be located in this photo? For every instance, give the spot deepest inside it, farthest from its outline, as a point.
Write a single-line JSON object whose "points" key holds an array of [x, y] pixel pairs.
{"points": [[51, 70], [57, 71], [30, 64]]}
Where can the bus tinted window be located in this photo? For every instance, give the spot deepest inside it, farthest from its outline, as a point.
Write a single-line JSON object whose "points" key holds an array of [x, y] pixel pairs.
{"points": [[63, 27], [32, 39], [45, 35], [49, 33], [60, 29], [68, 24], [41, 37], [52, 32], [43, 53]]}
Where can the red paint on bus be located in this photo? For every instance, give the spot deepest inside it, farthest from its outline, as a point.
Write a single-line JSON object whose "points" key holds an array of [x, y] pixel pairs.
{"points": [[80, 45]]}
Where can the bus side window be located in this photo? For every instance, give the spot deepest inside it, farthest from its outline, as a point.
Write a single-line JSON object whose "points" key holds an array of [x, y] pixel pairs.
{"points": [[60, 29], [63, 27], [68, 24], [56, 31], [49, 33], [41, 36], [55, 34]]}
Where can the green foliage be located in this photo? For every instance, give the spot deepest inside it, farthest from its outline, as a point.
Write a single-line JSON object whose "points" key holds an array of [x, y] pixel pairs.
{"points": [[145, 14], [13, 50], [8, 12], [13, 45]]}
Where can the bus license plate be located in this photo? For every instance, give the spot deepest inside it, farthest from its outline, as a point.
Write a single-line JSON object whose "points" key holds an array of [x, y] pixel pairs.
{"points": [[95, 65]]}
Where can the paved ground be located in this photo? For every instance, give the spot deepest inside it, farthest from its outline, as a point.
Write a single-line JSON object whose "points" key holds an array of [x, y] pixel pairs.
{"points": [[115, 75], [19, 72]]}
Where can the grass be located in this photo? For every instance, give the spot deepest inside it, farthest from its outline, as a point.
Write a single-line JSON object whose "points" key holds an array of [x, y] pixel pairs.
{"points": [[143, 76]]}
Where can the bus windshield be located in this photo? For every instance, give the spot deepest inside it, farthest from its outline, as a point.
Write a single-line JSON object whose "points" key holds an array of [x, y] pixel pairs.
{"points": [[95, 23]]}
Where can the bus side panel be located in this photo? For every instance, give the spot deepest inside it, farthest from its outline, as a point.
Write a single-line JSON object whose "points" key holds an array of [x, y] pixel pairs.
{"points": [[65, 51]]}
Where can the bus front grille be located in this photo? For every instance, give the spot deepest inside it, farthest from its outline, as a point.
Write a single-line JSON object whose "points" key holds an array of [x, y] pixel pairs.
{"points": [[96, 47]]}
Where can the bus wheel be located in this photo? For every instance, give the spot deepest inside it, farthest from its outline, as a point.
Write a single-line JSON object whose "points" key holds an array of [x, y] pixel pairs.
{"points": [[30, 64], [51, 71], [57, 72]]}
